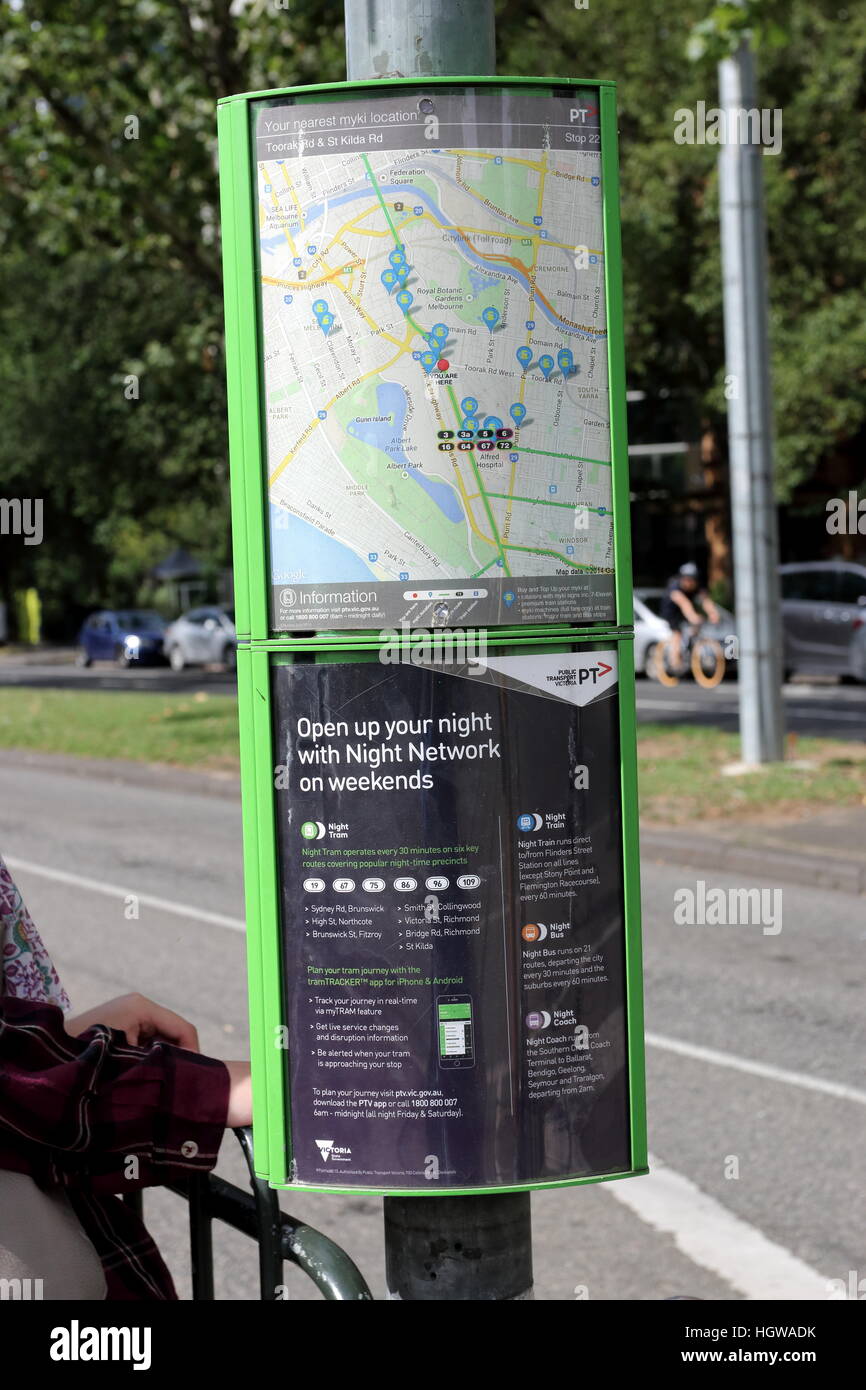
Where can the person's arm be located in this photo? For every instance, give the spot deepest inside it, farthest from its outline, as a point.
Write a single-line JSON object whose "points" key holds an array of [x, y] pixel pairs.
{"points": [[709, 607], [686, 607], [95, 1110]]}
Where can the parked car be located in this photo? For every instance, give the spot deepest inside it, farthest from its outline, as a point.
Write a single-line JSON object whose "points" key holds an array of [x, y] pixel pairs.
{"points": [[822, 601], [650, 600], [857, 653], [202, 637], [649, 630], [124, 636]]}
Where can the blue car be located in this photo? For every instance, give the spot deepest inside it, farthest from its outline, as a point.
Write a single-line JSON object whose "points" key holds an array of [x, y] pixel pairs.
{"points": [[126, 637]]}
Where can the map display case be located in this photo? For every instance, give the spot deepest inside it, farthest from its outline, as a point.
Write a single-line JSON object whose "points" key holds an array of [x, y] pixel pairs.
{"points": [[433, 599], [431, 366]]}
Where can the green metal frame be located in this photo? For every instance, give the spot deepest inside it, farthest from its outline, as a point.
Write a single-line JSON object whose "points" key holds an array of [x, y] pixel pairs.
{"points": [[259, 648]]}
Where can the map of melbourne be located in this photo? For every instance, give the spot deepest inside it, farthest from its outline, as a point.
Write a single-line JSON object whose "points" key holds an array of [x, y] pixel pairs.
{"points": [[435, 359]]}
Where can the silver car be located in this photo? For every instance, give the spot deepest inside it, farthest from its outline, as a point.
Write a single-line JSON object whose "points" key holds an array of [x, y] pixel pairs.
{"points": [[822, 604], [649, 629], [202, 637]]}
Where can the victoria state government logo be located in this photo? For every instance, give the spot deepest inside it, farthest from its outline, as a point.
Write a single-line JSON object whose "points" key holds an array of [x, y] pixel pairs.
{"points": [[335, 1152]]}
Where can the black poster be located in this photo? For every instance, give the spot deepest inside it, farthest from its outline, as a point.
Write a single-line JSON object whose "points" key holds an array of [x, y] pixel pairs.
{"points": [[451, 855]]}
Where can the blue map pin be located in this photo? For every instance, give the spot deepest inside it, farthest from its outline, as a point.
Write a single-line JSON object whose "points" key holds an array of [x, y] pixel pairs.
{"points": [[403, 271], [469, 405], [565, 358], [517, 412], [440, 333], [524, 356], [493, 422], [396, 258], [325, 322], [546, 364], [319, 307], [428, 361], [491, 318], [404, 299], [508, 597], [389, 279]]}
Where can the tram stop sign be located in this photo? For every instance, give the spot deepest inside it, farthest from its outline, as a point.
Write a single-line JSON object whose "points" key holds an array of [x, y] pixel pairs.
{"points": [[433, 594]]}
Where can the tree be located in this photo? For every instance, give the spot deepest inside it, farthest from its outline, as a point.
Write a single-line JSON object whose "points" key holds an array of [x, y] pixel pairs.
{"points": [[110, 241]]}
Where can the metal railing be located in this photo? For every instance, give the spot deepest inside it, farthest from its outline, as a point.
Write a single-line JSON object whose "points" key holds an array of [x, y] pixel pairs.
{"points": [[279, 1236]]}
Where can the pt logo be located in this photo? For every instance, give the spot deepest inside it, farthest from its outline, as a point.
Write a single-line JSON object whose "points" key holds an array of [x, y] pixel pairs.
{"points": [[593, 673]]}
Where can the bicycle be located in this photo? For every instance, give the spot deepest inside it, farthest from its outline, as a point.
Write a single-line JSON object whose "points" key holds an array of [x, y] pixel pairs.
{"points": [[700, 654]]}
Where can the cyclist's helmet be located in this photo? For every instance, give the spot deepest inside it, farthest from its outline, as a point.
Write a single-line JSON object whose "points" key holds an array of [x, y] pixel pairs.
{"points": [[688, 571]]}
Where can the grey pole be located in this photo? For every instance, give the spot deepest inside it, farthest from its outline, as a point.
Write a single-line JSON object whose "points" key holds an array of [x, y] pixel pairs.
{"points": [[451, 1248], [753, 510], [419, 38]]}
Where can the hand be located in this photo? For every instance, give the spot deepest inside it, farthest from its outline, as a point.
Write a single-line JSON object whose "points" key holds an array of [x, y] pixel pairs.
{"points": [[140, 1019], [240, 1095]]}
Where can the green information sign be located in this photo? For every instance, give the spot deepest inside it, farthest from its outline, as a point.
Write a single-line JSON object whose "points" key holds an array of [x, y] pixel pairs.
{"points": [[430, 515]]}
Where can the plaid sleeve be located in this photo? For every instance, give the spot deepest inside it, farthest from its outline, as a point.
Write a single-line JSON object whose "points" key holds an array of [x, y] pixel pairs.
{"points": [[94, 1110]]}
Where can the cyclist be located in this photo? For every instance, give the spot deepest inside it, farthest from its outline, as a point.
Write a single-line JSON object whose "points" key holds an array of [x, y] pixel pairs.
{"points": [[683, 596]]}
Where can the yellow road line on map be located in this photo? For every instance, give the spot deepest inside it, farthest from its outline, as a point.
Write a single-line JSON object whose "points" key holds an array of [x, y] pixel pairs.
{"points": [[406, 346], [295, 198], [368, 319]]}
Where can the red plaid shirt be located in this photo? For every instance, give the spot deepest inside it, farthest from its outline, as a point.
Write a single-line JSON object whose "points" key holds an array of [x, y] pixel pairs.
{"points": [[74, 1112]]}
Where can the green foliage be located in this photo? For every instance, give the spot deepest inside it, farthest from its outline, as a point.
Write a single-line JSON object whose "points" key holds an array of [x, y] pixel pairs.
{"points": [[110, 245], [109, 269], [728, 24], [811, 57]]}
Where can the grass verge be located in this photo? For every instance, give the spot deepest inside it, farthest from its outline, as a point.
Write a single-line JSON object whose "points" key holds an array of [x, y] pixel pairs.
{"points": [[681, 778], [197, 730]]}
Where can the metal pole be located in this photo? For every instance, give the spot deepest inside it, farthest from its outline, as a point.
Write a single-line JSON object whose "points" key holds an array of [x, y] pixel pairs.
{"points": [[419, 38], [747, 352], [469, 1248]]}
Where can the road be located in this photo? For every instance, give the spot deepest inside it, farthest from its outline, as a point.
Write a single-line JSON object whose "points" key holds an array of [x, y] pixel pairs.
{"points": [[755, 1063], [822, 709], [810, 708]]}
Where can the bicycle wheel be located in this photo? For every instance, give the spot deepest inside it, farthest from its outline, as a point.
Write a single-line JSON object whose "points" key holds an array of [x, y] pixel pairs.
{"points": [[665, 670], [708, 662]]}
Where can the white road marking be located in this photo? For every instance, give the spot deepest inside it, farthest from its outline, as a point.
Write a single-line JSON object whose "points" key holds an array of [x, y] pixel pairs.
{"points": [[717, 1240], [837, 1089], [671, 706], [110, 890]]}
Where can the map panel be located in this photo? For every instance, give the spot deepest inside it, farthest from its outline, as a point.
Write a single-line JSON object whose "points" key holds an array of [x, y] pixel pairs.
{"points": [[434, 337]]}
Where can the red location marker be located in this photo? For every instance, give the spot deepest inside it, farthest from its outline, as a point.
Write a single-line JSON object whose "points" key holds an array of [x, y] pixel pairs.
{"points": [[443, 364]]}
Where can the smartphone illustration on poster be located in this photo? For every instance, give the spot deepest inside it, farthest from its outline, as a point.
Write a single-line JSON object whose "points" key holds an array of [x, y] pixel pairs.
{"points": [[455, 1031]]}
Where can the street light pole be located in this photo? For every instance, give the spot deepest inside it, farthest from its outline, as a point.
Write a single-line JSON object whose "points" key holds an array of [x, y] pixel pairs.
{"points": [[451, 1248], [419, 38], [753, 509]]}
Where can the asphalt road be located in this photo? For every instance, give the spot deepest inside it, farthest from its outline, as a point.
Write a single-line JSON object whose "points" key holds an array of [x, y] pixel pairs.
{"points": [[756, 1056], [825, 709], [821, 709]]}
